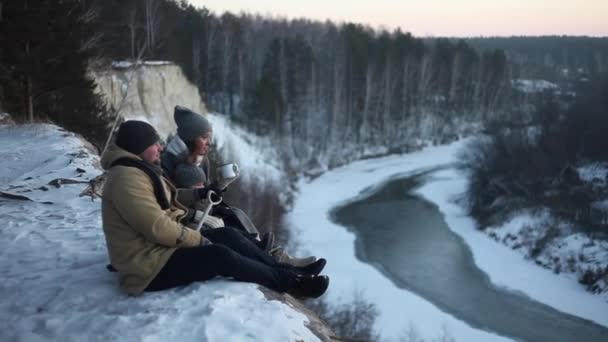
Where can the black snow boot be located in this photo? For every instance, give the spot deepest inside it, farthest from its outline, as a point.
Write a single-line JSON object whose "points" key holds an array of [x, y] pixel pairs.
{"points": [[309, 286], [313, 269]]}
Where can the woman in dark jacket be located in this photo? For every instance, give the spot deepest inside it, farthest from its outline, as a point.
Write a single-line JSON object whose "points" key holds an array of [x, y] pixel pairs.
{"points": [[185, 162]]}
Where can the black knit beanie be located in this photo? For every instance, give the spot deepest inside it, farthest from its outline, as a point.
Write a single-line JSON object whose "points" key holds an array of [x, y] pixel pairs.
{"points": [[136, 136], [190, 124]]}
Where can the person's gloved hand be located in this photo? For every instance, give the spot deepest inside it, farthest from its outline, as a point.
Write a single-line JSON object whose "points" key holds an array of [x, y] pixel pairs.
{"points": [[205, 241], [214, 222], [220, 186], [203, 192]]}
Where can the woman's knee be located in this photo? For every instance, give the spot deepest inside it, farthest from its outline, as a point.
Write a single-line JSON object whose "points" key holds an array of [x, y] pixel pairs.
{"points": [[226, 235], [232, 233]]}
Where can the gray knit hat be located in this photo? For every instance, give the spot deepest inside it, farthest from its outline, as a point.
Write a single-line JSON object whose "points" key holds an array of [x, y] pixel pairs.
{"points": [[188, 175], [190, 124]]}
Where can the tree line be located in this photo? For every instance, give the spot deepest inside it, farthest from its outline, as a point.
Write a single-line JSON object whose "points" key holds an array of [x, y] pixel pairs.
{"points": [[329, 86], [553, 58], [322, 88]]}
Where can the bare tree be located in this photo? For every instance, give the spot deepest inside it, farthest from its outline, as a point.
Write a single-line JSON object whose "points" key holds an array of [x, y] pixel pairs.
{"points": [[29, 96], [426, 76], [211, 33], [390, 83], [151, 9], [132, 25], [369, 88], [405, 93], [196, 58], [455, 77], [337, 105]]}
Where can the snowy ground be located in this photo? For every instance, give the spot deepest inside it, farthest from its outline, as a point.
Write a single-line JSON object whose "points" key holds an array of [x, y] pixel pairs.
{"points": [[53, 281], [401, 310], [54, 284], [572, 254]]}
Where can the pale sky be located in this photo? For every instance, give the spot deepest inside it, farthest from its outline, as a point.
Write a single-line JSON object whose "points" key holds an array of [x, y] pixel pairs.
{"points": [[441, 17]]}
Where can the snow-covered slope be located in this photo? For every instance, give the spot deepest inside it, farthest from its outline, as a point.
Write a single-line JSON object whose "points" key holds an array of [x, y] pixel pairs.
{"points": [[53, 281]]}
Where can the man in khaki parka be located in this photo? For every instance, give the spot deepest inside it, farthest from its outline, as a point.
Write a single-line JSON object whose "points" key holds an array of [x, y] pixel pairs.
{"points": [[153, 250]]}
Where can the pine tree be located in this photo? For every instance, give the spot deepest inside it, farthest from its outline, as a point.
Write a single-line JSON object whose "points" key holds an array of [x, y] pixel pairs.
{"points": [[46, 46]]}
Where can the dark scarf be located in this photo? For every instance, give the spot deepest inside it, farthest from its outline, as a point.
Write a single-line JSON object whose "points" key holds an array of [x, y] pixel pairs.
{"points": [[153, 171]]}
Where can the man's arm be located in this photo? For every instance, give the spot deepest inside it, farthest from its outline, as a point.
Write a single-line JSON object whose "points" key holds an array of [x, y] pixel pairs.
{"points": [[136, 204]]}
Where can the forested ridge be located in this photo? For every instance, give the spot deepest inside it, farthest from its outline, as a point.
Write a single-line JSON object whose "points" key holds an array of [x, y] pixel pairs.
{"points": [[331, 87], [553, 58]]}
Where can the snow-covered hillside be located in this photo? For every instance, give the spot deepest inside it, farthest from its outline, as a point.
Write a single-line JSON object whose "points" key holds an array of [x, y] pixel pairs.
{"points": [[53, 281]]}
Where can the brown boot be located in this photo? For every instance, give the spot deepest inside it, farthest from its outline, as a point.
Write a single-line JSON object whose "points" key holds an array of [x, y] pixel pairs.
{"points": [[267, 241]]}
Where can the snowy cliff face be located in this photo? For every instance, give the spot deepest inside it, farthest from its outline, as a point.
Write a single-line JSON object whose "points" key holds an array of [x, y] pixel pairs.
{"points": [[148, 91], [53, 281]]}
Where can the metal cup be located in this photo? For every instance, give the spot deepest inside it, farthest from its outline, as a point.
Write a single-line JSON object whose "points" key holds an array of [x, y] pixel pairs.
{"points": [[228, 171]]}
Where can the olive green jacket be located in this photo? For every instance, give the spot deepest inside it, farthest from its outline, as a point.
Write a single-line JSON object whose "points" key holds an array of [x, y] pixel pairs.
{"points": [[140, 236]]}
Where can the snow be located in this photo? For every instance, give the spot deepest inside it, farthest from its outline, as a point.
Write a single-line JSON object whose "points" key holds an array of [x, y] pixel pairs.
{"points": [[571, 254], [316, 234], [5, 117], [594, 172], [533, 86], [53, 281], [129, 64], [256, 156]]}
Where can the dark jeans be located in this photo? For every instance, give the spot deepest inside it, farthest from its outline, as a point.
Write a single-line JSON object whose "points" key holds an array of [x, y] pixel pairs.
{"points": [[231, 255]]}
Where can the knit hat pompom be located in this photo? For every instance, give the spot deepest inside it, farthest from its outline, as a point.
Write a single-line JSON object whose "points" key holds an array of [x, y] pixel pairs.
{"points": [[190, 124], [136, 136]]}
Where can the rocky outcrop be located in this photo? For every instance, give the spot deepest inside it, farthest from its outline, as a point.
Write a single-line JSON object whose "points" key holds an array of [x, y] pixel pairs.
{"points": [[148, 91], [315, 324]]}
